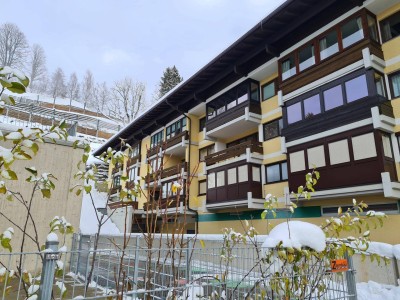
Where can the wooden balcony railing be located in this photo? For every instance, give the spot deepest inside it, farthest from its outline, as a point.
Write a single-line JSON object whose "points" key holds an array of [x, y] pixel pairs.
{"points": [[167, 172], [175, 140], [172, 202], [132, 160], [115, 190], [130, 184], [118, 204], [233, 113], [116, 169], [234, 151]]}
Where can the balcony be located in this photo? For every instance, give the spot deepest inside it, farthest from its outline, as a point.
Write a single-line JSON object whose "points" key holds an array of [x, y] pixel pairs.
{"points": [[115, 190], [117, 168], [174, 171], [234, 151], [175, 145], [243, 117], [165, 204], [119, 204], [234, 185], [133, 160]]}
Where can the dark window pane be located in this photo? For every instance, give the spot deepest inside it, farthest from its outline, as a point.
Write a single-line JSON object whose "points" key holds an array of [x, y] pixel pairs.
{"points": [[306, 57], [356, 88], [312, 106], [390, 27], [328, 45], [395, 84], [254, 92], [268, 90], [294, 113], [372, 29], [352, 32], [202, 124], [210, 113], [284, 171], [288, 68], [272, 129], [273, 173], [333, 97]]}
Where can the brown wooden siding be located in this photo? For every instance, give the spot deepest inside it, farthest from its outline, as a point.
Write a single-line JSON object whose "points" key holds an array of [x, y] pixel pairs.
{"points": [[168, 143], [114, 205]]}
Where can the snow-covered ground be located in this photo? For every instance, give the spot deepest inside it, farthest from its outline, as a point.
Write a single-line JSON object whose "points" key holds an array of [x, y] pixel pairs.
{"points": [[45, 98], [374, 291]]}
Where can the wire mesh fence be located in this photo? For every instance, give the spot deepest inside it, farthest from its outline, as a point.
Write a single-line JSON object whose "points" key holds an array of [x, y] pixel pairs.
{"points": [[193, 272]]}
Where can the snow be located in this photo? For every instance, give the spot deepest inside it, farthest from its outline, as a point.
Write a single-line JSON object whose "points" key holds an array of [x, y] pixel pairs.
{"points": [[2, 271], [301, 234], [88, 222], [374, 291], [63, 249], [396, 251], [33, 289], [381, 249], [52, 237]]}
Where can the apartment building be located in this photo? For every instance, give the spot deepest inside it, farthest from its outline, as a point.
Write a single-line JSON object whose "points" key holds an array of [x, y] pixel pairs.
{"points": [[316, 84]]}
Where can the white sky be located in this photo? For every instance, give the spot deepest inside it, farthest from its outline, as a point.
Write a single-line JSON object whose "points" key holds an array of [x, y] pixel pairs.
{"points": [[136, 38]]}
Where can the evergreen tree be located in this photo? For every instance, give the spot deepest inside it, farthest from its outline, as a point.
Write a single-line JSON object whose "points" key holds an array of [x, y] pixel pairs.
{"points": [[169, 80]]}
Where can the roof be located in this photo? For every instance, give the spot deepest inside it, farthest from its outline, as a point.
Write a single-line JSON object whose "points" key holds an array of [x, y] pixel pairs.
{"points": [[285, 26]]}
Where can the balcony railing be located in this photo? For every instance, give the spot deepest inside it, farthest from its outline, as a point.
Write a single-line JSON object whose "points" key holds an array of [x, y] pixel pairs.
{"points": [[115, 190], [116, 169], [175, 140], [167, 172], [233, 113], [119, 204], [171, 202], [133, 160], [234, 151]]}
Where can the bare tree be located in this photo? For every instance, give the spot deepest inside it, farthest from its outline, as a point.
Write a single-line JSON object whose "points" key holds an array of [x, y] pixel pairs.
{"points": [[72, 89], [128, 96], [87, 89], [57, 84], [37, 65], [13, 46], [101, 96]]}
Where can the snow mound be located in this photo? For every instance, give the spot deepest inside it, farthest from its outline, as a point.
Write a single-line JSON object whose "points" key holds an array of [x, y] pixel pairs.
{"points": [[296, 234], [382, 249], [374, 291], [396, 251]]}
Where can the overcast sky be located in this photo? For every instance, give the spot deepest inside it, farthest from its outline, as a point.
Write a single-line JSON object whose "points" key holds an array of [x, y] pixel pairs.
{"points": [[136, 38]]}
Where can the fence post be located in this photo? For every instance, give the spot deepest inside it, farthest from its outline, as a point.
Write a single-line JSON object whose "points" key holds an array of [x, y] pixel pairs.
{"points": [[351, 279], [97, 128], [136, 264], [189, 250], [49, 267], [396, 271]]}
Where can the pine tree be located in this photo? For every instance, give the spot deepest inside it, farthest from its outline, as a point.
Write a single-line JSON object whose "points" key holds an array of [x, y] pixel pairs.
{"points": [[169, 80]]}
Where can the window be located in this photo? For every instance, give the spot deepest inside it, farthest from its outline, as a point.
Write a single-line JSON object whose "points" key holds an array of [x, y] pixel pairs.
{"points": [[339, 152], [220, 178], [202, 124], [383, 207], [363, 146], [156, 139], [135, 150], [256, 174], [372, 29], [316, 157], [248, 90], [390, 27], [206, 151], [132, 174], [333, 97], [394, 80], [175, 128], [356, 88], [352, 32], [328, 45], [288, 68], [312, 106], [272, 129], [211, 180], [116, 181], [276, 172], [243, 174], [379, 84], [202, 187], [269, 90], [294, 113], [297, 161], [155, 164], [232, 176], [306, 57], [387, 146]]}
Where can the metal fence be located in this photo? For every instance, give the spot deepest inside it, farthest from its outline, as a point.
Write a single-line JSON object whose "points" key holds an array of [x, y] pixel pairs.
{"points": [[196, 271]]}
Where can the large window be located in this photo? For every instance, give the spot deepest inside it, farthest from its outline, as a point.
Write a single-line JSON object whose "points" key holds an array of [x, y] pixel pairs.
{"points": [[273, 129], [335, 40], [133, 174], [175, 128], [394, 80], [248, 90], [116, 181], [202, 124], [268, 90], [135, 150], [156, 139], [276, 172], [202, 187], [390, 27], [347, 89], [362, 146], [233, 175]]}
